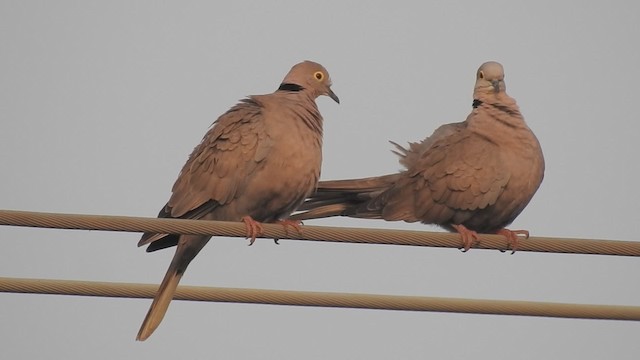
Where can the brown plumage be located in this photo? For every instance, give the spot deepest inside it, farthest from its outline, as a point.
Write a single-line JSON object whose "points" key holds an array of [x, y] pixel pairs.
{"points": [[257, 163], [473, 176]]}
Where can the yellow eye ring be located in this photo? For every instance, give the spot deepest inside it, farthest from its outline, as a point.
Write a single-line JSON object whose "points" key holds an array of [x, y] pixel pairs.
{"points": [[319, 75]]}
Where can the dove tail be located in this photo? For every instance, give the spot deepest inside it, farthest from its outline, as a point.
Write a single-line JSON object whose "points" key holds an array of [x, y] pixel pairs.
{"points": [[353, 198], [188, 247], [160, 304], [316, 211]]}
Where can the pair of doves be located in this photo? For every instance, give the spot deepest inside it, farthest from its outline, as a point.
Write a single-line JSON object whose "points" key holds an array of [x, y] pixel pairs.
{"points": [[261, 161]]}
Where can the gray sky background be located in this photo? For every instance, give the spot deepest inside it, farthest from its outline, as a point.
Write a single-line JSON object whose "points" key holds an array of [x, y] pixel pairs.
{"points": [[101, 102]]}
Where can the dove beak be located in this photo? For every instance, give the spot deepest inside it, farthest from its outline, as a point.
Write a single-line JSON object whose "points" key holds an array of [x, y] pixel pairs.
{"points": [[496, 85], [333, 95]]}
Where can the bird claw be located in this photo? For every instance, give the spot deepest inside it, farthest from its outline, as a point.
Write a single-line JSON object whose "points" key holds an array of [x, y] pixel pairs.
{"points": [[254, 229], [469, 237], [286, 223], [290, 223], [513, 238]]}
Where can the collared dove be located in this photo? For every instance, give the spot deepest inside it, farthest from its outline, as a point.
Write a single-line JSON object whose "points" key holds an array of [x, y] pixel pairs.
{"points": [[473, 176], [257, 163]]}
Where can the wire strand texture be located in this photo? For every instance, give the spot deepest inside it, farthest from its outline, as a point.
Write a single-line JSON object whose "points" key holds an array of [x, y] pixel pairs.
{"points": [[316, 233], [325, 299], [313, 233]]}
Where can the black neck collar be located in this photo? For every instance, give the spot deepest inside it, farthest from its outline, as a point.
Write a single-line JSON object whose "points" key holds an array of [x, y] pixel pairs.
{"points": [[290, 87]]}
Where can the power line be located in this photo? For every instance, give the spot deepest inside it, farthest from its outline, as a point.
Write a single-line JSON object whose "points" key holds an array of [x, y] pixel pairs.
{"points": [[325, 299], [314, 233], [317, 233]]}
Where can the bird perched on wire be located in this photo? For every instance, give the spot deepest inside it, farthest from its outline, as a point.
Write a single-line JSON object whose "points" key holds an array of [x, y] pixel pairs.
{"points": [[473, 176], [257, 163]]}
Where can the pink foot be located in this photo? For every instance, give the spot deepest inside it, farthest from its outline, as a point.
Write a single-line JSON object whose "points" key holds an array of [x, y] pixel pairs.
{"points": [[254, 229], [513, 237], [469, 237], [289, 223]]}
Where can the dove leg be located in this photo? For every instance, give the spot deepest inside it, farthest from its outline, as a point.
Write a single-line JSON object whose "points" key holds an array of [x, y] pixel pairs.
{"points": [[469, 237], [513, 237], [254, 229]]}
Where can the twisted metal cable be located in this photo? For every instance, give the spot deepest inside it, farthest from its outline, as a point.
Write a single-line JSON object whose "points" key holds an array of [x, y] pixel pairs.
{"points": [[314, 233], [325, 299]]}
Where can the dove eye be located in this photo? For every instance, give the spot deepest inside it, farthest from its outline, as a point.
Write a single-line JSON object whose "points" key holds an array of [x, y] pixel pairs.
{"points": [[481, 75], [318, 75]]}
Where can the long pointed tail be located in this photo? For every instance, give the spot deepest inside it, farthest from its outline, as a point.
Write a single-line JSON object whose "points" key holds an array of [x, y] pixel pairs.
{"points": [[188, 247], [160, 303]]}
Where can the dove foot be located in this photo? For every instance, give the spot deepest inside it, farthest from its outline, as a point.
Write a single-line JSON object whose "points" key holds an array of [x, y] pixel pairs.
{"points": [[254, 229], [469, 237], [513, 237], [289, 223]]}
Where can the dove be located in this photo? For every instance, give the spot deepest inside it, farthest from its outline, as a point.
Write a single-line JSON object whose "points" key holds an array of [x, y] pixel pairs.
{"points": [[257, 163], [472, 177]]}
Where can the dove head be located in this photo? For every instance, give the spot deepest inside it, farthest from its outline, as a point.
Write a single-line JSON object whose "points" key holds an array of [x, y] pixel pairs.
{"points": [[309, 76], [490, 78]]}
